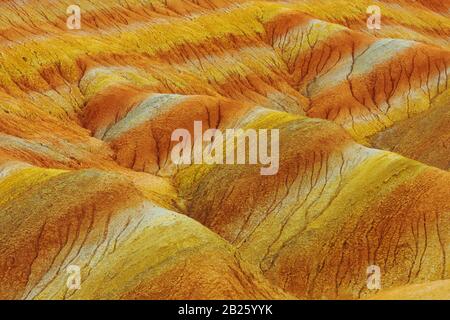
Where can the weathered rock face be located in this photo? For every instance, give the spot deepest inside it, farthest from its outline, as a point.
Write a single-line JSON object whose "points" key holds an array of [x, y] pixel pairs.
{"points": [[87, 180]]}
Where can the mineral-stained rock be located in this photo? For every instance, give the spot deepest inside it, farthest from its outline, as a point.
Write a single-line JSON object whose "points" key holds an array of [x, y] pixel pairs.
{"points": [[87, 180]]}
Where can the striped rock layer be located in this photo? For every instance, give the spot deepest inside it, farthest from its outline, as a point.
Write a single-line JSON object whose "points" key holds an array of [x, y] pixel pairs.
{"points": [[87, 180]]}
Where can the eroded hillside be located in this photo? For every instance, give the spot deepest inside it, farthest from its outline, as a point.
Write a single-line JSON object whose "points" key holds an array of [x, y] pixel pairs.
{"points": [[86, 176]]}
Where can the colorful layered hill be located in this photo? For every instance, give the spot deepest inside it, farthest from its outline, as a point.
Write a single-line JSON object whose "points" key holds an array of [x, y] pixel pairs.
{"points": [[87, 180]]}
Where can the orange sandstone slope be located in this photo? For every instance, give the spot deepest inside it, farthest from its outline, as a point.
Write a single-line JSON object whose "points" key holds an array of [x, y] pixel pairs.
{"points": [[420, 20], [86, 177]]}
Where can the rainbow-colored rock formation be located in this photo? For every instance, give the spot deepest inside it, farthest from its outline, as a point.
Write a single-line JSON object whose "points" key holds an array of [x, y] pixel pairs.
{"points": [[86, 176]]}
